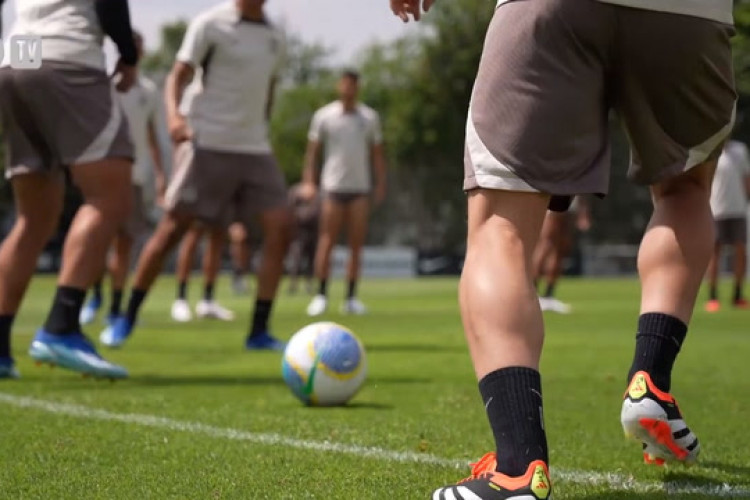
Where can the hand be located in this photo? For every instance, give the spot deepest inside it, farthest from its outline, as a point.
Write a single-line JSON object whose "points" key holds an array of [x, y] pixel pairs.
{"points": [[124, 76], [583, 223], [179, 130], [308, 191], [160, 185], [403, 8], [379, 193]]}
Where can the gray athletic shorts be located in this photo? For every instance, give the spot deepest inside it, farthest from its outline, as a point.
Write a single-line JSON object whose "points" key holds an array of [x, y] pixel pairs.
{"points": [[218, 188], [345, 198], [137, 222], [731, 231], [60, 115], [552, 70]]}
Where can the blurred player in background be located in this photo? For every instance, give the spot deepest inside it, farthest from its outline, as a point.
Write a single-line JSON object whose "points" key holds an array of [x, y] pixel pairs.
{"points": [[536, 134], [729, 196], [555, 241], [349, 136], [223, 157], [302, 250], [57, 120], [141, 106]]}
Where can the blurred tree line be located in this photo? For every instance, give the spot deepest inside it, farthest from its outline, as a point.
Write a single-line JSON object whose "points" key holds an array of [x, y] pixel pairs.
{"points": [[421, 85]]}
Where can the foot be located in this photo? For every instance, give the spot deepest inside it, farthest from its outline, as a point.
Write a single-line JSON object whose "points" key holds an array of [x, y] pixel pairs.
{"points": [[551, 304], [713, 306], [210, 309], [181, 311], [264, 341], [117, 332], [741, 304], [240, 285], [653, 417], [89, 311], [485, 483], [8, 368], [74, 352], [318, 305], [353, 306]]}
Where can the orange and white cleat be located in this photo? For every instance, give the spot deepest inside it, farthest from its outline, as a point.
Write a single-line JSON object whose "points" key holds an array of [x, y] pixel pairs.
{"points": [[741, 304], [485, 483], [653, 417], [713, 306]]}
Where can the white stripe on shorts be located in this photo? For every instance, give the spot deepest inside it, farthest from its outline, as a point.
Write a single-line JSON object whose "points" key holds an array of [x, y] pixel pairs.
{"points": [[100, 146]]}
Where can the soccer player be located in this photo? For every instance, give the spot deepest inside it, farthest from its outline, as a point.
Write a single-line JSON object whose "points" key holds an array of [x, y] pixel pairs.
{"points": [[241, 255], [302, 250], [63, 118], [348, 134], [222, 152], [555, 240], [537, 134], [141, 107]]}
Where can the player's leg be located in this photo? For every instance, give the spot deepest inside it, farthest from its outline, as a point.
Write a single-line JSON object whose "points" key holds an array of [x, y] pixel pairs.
{"points": [[119, 267], [207, 307], [357, 218], [91, 309], [239, 249], [739, 243], [295, 262], [185, 258], [712, 274], [331, 220]]}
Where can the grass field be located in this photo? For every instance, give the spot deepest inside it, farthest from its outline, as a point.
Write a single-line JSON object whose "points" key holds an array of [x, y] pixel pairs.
{"points": [[200, 418]]}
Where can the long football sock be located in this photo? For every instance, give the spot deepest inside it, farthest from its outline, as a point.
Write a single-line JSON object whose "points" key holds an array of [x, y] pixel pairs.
{"points": [[737, 292], [134, 304], [260, 317], [352, 290], [66, 307], [182, 290], [657, 345], [323, 288], [97, 291], [208, 292], [550, 291], [713, 292], [115, 308], [6, 323]]}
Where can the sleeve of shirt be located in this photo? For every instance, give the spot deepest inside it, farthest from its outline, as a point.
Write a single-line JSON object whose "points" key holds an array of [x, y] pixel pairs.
{"points": [[316, 127], [376, 130], [196, 44]]}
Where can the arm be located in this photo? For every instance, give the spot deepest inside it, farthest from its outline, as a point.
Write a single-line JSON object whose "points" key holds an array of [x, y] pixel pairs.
{"points": [[404, 8], [309, 172], [378, 162], [271, 97], [160, 174], [174, 88], [114, 18]]}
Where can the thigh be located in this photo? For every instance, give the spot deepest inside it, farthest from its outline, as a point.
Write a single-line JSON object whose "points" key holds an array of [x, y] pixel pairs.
{"points": [[675, 91], [332, 215], [39, 196], [262, 187], [538, 115], [357, 215]]}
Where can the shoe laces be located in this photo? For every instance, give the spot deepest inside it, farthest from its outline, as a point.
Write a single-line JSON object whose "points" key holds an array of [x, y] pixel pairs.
{"points": [[486, 464]]}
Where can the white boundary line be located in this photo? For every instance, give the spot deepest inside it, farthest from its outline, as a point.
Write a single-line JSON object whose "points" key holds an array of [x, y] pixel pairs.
{"points": [[613, 481]]}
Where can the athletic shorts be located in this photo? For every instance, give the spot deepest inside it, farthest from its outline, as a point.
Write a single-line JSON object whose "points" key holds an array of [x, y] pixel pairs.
{"points": [[345, 198], [137, 222], [731, 231], [218, 187], [552, 70], [60, 115]]}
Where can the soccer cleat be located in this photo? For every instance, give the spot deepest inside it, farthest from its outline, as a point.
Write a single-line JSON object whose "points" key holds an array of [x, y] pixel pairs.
{"points": [[209, 309], [653, 417], [74, 352], [353, 306], [90, 311], [551, 304], [8, 368], [117, 332], [318, 305], [264, 342], [713, 306], [741, 304], [181, 311], [485, 483]]}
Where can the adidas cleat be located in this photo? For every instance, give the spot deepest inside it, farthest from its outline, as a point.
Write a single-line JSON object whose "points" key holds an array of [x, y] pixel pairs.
{"points": [[485, 483], [653, 417], [74, 352], [264, 342]]}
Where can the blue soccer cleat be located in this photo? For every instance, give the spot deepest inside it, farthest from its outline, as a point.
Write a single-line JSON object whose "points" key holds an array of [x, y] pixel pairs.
{"points": [[90, 311], [117, 332], [264, 342], [8, 368], [74, 352]]}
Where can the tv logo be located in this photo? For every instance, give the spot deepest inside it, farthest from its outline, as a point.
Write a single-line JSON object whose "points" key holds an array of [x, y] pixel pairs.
{"points": [[24, 51]]}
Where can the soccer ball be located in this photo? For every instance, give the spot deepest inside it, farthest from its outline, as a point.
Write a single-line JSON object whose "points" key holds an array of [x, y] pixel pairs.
{"points": [[324, 364]]}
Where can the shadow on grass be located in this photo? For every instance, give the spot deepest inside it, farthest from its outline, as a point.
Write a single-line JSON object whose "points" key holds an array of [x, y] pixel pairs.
{"points": [[740, 471], [414, 348], [364, 405], [229, 380]]}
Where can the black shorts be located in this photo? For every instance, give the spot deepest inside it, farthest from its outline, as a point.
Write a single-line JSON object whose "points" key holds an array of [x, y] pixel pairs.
{"points": [[731, 231]]}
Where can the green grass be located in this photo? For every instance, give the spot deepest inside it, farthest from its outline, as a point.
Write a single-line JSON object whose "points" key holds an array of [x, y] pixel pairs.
{"points": [[420, 396]]}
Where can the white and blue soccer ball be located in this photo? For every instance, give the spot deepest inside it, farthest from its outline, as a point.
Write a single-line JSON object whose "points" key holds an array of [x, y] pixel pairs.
{"points": [[324, 364]]}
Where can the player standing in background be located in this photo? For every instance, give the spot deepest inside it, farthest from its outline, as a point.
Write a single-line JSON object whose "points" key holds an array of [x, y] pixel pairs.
{"points": [[141, 107], [550, 73], [222, 152], [349, 135], [63, 118], [302, 249], [555, 241], [241, 254], [729, 195]]}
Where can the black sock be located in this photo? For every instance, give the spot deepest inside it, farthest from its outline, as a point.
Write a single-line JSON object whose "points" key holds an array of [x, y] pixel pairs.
{"points": [[352, 292], [737, 292], [182, 290], [238, 273], [134, 304], [657, 344], [260, 317], [549, 292], [6, 322], [323, 288], [208, 292], [96, 291], [513, 401], [66, 307], [115, 308], [713, 292]]}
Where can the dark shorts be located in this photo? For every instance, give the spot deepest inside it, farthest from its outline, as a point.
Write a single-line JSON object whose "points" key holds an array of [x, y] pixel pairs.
{"points": [[219, 188], [345, 198], [551, 72], [60, 115], [731, 231]]}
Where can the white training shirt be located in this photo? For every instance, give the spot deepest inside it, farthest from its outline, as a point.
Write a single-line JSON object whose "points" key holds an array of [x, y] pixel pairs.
{"points": [[237, 62], [70, 30], [141, 107], [716, 10], [728, 197], [347, 140]]}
